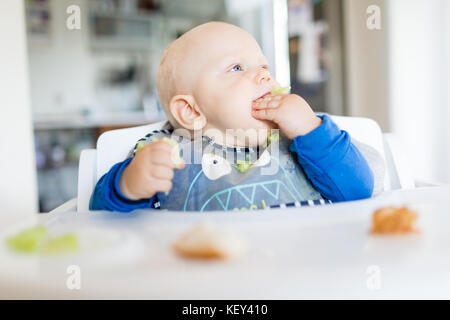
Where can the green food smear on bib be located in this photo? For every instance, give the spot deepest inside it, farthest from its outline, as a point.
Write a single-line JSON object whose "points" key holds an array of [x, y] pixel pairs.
{"points": [[274, 137], [243, 165]]}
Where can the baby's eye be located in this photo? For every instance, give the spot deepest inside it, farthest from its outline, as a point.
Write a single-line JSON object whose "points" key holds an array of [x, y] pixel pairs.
{"points": [[237, 68]]}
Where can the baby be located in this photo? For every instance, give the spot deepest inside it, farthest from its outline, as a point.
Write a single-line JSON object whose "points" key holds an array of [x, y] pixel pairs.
{"points": [[223, 117]]}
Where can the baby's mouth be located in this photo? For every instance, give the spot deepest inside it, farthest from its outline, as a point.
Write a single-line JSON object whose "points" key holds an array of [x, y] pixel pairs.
{"points": [[261, 96]]}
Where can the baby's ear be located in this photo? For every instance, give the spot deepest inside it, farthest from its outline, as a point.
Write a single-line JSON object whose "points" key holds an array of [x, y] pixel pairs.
{"points": [[186, 112]]}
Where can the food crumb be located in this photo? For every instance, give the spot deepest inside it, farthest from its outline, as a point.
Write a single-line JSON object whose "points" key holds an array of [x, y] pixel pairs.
{"points": [[394, 220], [206, 241]]}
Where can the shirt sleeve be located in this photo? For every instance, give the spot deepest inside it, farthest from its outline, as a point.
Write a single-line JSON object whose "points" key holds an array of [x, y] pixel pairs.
{"points": [[107, 194], [336, 168]]}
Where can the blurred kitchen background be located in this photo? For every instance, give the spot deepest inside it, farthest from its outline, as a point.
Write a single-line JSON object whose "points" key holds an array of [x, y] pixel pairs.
{"points": [[83, 82]]}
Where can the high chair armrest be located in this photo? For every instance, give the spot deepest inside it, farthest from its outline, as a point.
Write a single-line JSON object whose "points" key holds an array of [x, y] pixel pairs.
{"points": [[397, 162], [70, 205], [86, 178], [422, 183]]}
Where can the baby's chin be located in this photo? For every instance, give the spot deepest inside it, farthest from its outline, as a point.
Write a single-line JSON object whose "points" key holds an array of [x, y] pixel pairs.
{"points": [[262, 124], [263, 129]]}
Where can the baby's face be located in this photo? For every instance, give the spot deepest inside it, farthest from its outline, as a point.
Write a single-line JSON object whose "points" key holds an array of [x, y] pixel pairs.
{"points": [[230, 72]]}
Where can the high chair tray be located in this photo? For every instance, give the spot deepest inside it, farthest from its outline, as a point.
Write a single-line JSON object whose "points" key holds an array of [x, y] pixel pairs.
{"points": [[309, 252]]}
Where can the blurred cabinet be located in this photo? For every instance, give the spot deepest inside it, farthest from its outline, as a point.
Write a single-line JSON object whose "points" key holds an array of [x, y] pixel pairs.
{"points": [[316, 53], [38, 20], [119, 30], [57, 154]]}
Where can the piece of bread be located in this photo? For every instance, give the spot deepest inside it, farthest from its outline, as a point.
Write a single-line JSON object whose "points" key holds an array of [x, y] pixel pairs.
{"points": [[205, 241], [393, 220]]}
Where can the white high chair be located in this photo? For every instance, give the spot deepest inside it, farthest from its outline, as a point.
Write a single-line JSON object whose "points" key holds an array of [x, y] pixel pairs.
{"points": [[113, 146]]}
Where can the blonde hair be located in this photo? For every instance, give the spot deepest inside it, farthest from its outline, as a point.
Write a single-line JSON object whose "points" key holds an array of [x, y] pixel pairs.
{"points": [[167, 76]]}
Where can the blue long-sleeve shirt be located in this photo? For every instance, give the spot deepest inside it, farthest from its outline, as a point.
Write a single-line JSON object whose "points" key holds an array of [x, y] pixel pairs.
{"points": [[321, 165]]}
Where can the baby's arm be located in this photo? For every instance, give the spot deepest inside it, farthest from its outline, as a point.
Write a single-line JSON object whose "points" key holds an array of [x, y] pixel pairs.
{"points": [[108, 196], [133, 183], [333, 163]]}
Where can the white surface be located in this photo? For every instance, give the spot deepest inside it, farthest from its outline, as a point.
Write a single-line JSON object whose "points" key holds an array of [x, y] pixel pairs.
{"points": [[419, 80], [18, 173], [401, 164], [86, 178], [281, 42], [318, 252]]}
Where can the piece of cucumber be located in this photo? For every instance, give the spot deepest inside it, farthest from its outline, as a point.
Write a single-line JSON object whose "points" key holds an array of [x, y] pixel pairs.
{"points": [[28, 240], [174, 144], [140, 145], [280, 90], [37, 239], [63, 244]]}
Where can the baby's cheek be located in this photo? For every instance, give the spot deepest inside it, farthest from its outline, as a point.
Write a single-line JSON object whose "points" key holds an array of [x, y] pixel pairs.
{"points": [[233, 117]]}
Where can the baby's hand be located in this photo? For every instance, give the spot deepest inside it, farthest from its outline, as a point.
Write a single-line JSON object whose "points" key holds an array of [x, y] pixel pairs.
{"points": [[292, 114], [151, 171]]}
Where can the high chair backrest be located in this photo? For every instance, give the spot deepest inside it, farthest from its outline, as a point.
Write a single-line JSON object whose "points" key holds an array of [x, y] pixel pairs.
{"points": [[113, 146]]}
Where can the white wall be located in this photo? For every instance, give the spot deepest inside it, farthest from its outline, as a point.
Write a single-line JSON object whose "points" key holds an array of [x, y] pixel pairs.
{"points": [[400, 76], [419, 55], [366, 62], [18, 194], [61, 70]]}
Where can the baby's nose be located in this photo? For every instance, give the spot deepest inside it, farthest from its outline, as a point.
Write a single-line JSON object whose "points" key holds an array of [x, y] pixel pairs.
{"points": [[263, 75]]}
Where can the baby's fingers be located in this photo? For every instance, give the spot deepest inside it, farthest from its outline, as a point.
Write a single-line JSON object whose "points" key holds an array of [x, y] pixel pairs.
{"points": [[162, 172], [181, 165], [162, 185], [264, 114], [168, 158], [175, 159], [268, 102]]}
